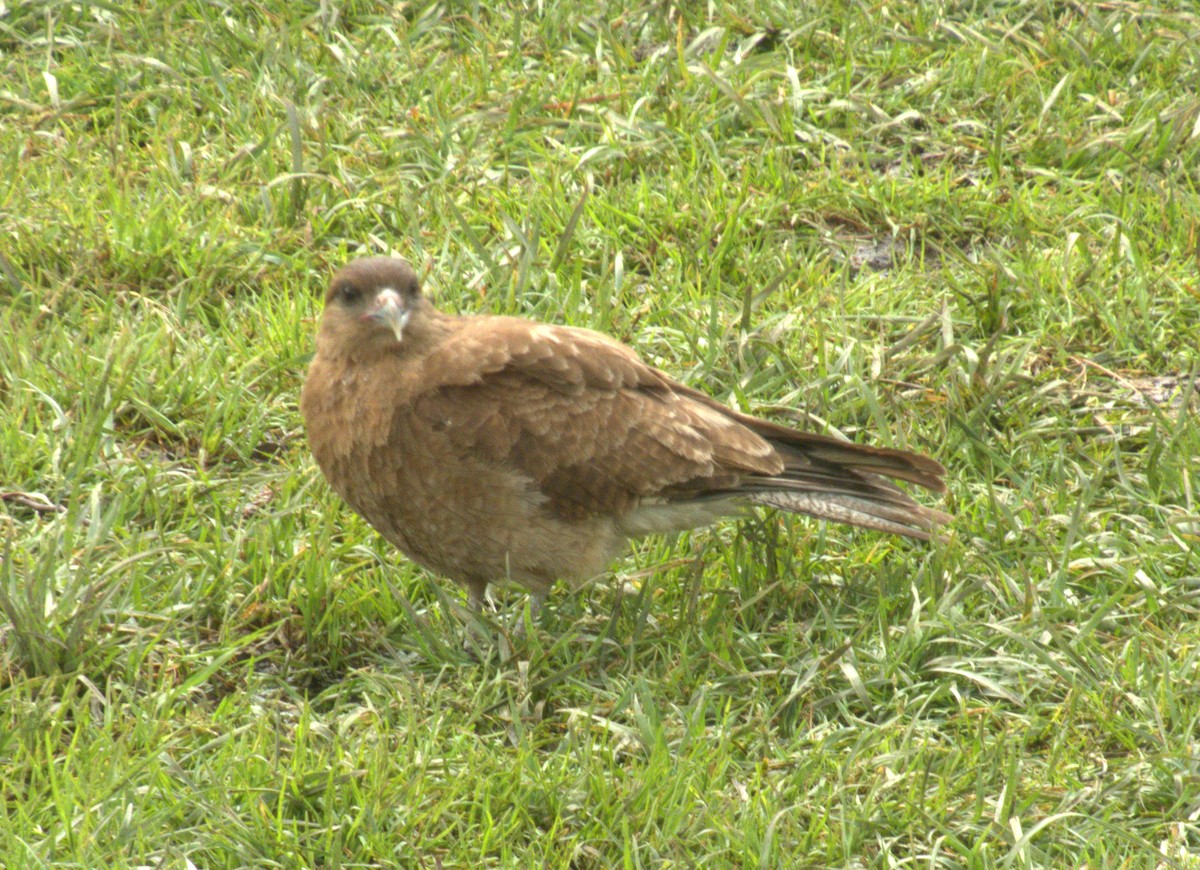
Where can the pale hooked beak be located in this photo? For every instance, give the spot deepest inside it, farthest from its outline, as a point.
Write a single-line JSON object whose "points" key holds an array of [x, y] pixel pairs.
{"points": [[389, 310]]}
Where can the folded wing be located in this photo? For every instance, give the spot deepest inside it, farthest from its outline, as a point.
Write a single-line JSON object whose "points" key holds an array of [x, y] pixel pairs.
{"points": [[599, 432]]}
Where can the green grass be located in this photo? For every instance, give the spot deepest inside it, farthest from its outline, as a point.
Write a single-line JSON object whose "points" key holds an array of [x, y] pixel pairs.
{"points": [[965, 228]]}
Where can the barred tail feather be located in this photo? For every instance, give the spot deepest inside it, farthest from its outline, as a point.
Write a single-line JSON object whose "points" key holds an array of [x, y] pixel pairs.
{"points": [[911, 520]]}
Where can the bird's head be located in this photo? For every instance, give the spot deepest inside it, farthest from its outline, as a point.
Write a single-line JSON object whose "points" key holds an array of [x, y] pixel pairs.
{"points": [[371, 303]]}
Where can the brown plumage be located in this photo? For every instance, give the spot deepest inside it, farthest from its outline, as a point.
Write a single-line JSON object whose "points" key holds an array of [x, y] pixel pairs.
{"points": [[493, 448]]}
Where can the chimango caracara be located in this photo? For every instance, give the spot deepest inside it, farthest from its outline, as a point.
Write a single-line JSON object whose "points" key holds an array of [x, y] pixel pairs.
{"points": [[494, 448]]}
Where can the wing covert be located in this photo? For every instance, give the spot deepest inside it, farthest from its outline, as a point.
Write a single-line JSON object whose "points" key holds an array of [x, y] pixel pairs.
{"points": [[594, 427]]}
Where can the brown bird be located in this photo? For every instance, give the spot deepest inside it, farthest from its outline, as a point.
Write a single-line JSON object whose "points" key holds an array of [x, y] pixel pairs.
{"points": [[494, 448]]}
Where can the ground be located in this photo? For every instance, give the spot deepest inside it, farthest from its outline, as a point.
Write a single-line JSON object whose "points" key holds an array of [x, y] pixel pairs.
{"points": [[969, 229]]}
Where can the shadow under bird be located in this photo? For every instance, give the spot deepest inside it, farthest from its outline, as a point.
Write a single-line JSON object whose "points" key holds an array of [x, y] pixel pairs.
{"points": [[495, 448]]}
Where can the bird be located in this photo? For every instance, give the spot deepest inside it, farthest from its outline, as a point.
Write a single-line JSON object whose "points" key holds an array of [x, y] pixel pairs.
{"points": [[500, 449]]}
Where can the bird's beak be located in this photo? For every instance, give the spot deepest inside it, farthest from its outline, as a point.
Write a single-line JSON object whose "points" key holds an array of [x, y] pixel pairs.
{"points": [[389, 310]]}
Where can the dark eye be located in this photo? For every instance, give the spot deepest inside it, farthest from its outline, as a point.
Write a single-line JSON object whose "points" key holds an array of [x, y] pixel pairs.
{"points": [[347, 294]]}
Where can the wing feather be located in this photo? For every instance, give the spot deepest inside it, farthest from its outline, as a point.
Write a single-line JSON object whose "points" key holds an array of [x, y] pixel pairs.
{"points": [[593, 426], [598, 431]]}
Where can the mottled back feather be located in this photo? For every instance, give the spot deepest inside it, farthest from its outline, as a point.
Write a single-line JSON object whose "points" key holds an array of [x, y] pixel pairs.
{"points": [[598, 431]]}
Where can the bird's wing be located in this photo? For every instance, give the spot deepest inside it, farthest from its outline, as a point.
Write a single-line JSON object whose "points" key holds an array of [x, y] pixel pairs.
{"points": [[595, 428]]}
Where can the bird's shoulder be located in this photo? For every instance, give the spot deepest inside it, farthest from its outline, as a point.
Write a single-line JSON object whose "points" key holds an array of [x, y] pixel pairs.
{"points": [[566, 359]]}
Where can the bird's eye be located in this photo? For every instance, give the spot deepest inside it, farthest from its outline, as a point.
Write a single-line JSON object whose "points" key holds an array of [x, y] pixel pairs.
{"points": [[348, 294]]}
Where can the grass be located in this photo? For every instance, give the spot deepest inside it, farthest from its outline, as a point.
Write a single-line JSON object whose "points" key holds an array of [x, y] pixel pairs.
{"points": [[969, 229]]}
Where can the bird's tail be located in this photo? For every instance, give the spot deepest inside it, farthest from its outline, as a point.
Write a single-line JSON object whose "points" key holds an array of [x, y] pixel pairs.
{"points": [[847, 483], [912, 521]]}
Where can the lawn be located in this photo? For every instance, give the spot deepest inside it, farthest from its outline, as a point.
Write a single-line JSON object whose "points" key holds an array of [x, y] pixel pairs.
{"points": [[968, 229]]}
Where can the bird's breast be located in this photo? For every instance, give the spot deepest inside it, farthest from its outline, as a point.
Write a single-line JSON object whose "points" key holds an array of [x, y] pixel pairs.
{"points": [[462, 513]]}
